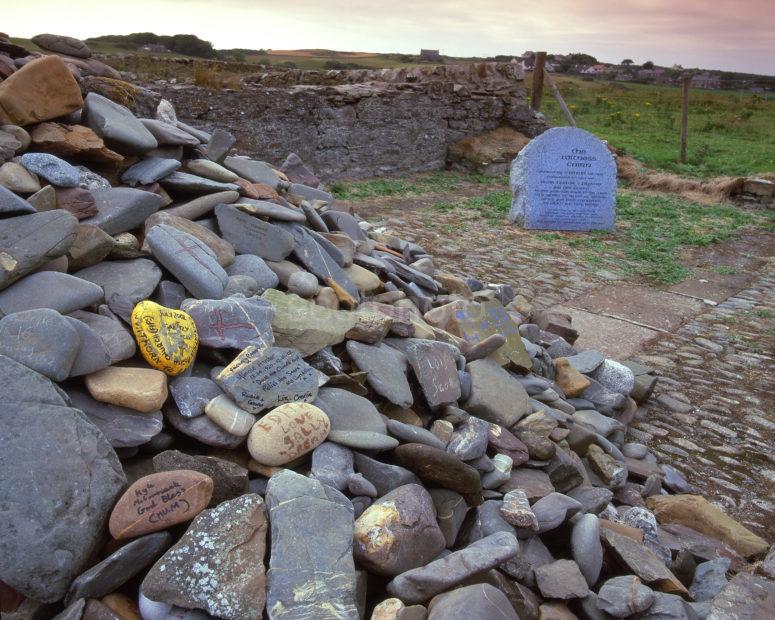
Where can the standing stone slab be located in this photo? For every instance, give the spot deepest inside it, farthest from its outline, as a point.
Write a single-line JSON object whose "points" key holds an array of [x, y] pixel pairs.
{"points": [[232, 323], [55, 502], [386, 368], [565, 179], [189, 260], [250, 235], [260, 378], [434, 367], [117, 125], [224, 549], [311, 569], [478, 321]]}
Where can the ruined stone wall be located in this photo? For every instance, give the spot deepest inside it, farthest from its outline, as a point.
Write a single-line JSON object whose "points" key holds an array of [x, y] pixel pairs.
{"points": [[349, 124]]}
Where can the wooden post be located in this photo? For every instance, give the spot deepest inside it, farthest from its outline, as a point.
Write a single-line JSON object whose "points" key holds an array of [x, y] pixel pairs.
{"points": [[685, 116], [560, 100], [538, 81]]}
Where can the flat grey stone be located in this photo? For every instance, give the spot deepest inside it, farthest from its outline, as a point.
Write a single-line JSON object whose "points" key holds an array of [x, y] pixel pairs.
{"points": [[264, 208], [193, 263], [55, 502], [119, 567], [251, 235], [117, 126], [350, 412], [22, 384], [92, 355], [384, 476], [451, 509], [310, 576], [167, 134], [561, 579], [592, 499], [55, 170], [434, 368], [553, 510], [149, 170], [219, 144], [623, 597], [481, 601], [495, 395], [191, 394], [332, 464], [344, 222], [586, 548], [118, 341], [186, 183], [586, 361], [363, 440], [386, 368], [709, 579], [255, 267], [29, 241], [122, 427], [41, 339], [482, 521], [202, 428], [125, 283], [310, 194], [11, 204], [252, 170], [232, 323], [409, 433], [121, 209]]}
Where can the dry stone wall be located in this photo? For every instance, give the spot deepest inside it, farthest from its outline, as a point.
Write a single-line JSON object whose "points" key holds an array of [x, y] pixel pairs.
{"points": [[363, 123]]}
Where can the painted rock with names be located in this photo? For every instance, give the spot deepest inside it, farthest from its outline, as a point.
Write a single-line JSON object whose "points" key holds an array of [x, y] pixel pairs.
{"points": [[167, 338], [287, 432]]}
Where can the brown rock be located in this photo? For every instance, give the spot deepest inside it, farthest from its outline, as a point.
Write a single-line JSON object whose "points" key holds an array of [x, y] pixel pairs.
{"points": [[41, 90], [77, 201], [95, 610], [620, 528], [141, 389], [72, 141], [696, 512], [121, 605], [92, 244], [569, 379], [159, 501]]}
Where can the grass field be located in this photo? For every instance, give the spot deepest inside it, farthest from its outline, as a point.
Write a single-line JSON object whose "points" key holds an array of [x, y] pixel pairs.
{"points": [[730, 133]]}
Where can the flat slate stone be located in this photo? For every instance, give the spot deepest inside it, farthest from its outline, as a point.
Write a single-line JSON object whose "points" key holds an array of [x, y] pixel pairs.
{"points": [[561, 580], [309, 251], [11, 204], [223, 250], [481, 601], [260, 378], [255, 267], [496, 396], [92, 355], [186, 183], [119, 567], [55, 502], [191, 394], [149, 170], [434, 368], [349, 412], [264, 208], [42, 340], [439, 468], [386, 368], [251, 235], [253, 171], [202, 428], [363, 440], [22, 384], [232, 323], [310, 575], [332, 464], [167, 134], [586, 548], [29, 241], [408, 433], [384, 476], [421, 584], [229, 479], [117, 126], [126, 283], [189, 260], [50, 289], [121, 209], [224, 547], [123, 427], [565, 179], [117, 339]]}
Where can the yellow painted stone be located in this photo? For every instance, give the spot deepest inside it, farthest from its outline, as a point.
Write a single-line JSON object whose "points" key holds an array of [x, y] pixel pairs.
{"points": [[167, 338]]}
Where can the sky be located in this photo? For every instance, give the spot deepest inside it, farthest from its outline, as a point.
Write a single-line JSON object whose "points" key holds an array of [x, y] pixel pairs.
{"points": [[734, 35]]}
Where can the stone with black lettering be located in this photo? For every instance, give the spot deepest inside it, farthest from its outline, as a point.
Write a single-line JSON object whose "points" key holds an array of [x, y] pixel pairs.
{"points": [[434, 368]]}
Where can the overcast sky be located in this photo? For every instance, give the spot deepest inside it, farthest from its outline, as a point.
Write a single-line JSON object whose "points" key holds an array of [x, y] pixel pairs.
{"points": [[736, 35]]}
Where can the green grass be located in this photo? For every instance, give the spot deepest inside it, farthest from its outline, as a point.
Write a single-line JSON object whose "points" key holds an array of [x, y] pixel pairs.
{"points": [[725, 270], [730, 133], [439, 182]]}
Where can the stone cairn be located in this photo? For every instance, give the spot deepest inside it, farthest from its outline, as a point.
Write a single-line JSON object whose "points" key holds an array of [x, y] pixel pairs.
{"points": [[225, 396]]}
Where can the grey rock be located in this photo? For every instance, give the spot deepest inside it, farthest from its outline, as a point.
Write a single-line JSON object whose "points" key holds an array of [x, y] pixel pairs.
{"points": [[310, 194], [29, 241], [480, 601], [597, 421], [251, 235], [386, 368], [592, 499], [149, 170], [224, 548], [534, 482], [482, 521], [363, 440], [421, 584], [168, 134], [622, 597], [253, 171], [413, 434], [586, 548], [122, 427], [229, 479], [709, 579], [384, 476], [332, 464], [193, 263], [669, 607], [186, 183], [553, 510], [55, 502], [170, 294], [451, 509], [11, 204], [55, 170], [615, 377], [255, 267], [495, 395], [92, 355], [117, 126], [22, 384], [281, 213], [746, 597], [232, 323], [344, 222], [469, 441], [675, 480], [119, 567], [561, 579], [121, 209], [586, 361], [191, 394], [125, 283], [434, 368], [350, 412], [118, 342], [303, 283], [41, 339], [203, 429], [358, 485], [310, 576], [219, 144]]}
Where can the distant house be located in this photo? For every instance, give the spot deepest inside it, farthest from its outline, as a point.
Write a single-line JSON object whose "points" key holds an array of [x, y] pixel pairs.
{"points": [[430, 55], [623, 76], [650, 75], [595, 69], [706, 80]]}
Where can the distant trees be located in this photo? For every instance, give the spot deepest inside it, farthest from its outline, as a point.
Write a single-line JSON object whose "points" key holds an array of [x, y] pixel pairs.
{"points": [[581, 59], [185, 44], [648, 65], [627, 62]]}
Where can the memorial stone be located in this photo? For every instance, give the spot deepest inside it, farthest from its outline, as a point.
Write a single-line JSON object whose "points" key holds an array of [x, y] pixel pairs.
{"points": [[565, 179]]}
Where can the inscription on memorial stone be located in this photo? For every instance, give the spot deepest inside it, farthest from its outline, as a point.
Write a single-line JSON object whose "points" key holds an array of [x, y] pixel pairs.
{"points": [[565, 179]]}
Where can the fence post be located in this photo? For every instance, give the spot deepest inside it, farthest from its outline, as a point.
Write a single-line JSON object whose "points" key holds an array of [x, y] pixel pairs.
{"points": [[685, 116], [538, 81]]}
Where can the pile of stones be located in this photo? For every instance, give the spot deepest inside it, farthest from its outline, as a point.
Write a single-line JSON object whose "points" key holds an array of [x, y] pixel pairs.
{"points": [[226, 396]]}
